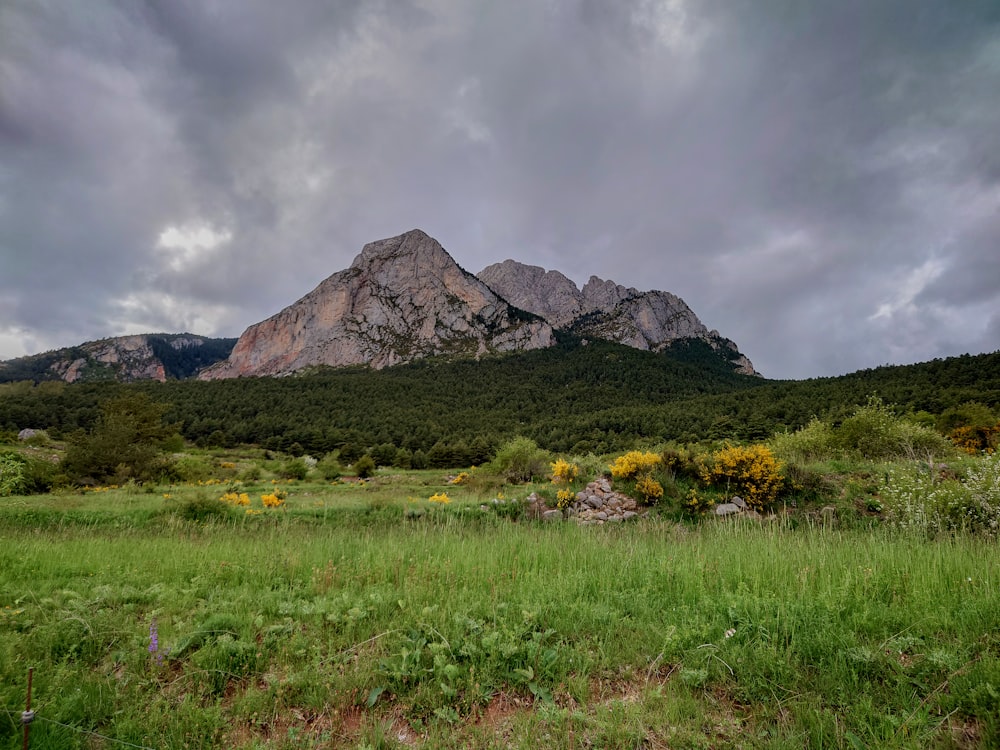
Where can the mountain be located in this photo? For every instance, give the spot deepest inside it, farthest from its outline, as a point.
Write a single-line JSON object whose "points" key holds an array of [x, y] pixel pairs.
{"points": [[402, 299], [155, 356], [652, 321]]}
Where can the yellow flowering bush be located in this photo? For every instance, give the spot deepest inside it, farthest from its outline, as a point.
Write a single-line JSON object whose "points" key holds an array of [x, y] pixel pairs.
{"points": [[439, 497], [236, 498], [275, 499], [563, 472], [750, 471], [634, 463], [696, 504], [462, 478], [564, 498], [649, 488]]}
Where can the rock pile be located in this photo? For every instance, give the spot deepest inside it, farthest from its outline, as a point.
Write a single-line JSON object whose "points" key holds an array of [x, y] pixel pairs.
{"points": [[596, 504]]}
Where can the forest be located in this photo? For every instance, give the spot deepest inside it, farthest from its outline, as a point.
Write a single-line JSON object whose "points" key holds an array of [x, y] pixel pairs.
{"points": [[578, 397]]}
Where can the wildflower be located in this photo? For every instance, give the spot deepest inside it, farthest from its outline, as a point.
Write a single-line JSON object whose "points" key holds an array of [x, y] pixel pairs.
{"points": [[563, 471], [167, 496], [439, 497], [564, 498], [154, 643], [634, 463]]}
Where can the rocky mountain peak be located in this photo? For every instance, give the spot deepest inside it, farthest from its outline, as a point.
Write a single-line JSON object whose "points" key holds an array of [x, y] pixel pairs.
{"points": [[599, 294], [607, 310], [402, 298]]}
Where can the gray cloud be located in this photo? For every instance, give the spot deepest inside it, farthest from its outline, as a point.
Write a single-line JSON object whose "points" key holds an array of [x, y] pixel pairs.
{"points": [[819, 181]]}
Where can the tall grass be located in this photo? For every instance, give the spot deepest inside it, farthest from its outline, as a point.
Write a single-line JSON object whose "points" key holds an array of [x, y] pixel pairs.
{"points": [[281, 630]]}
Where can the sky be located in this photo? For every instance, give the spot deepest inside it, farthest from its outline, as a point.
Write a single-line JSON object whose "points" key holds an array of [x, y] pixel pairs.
{"points": [[819, 181]]}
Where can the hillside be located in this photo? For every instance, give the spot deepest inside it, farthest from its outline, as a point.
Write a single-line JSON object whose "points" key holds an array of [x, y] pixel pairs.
{"points": [[572, 397]]}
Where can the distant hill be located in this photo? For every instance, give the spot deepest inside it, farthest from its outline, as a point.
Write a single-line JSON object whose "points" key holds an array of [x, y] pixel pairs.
{"points": [[153, 356]]}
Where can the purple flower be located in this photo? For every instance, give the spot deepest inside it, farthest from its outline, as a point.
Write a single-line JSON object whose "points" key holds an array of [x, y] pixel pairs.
{"points": [[154, 642]]}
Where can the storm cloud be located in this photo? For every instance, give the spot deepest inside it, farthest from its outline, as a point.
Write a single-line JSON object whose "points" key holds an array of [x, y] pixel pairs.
{"points": [[819, 181]]}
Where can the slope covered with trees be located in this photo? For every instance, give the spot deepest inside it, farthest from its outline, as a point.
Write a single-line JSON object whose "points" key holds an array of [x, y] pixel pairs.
{"points": [[597, 397]]}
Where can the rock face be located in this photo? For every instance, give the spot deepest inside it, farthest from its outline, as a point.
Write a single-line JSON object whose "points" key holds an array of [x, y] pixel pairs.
{"points": [[401, 299], [603, 309], [123, 358]]}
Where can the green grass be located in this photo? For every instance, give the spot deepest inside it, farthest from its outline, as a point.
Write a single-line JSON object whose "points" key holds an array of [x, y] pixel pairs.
{"points": [[344, 620]]}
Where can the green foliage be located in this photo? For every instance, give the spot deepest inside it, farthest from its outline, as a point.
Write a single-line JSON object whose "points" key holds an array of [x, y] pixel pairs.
{"points": [[329, 467], [201, 508], [364, 467], [13, 474], [125, 443], [294, 468], [874, 432], [476, 657], [519, 460], [915, 498], [813, 442]]}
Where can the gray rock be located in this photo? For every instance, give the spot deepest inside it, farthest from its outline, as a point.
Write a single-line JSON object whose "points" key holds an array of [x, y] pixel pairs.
{"points": [[26, 434], [552, 515], [594, 501], [739, 502], [402, 299], [601, 516], [726, 509], [629, 515]]}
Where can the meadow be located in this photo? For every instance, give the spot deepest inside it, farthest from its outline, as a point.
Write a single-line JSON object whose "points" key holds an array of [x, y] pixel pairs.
{"points": [[362, 615]]}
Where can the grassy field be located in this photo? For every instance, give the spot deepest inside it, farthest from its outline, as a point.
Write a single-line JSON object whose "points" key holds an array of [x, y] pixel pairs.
{"points": [[365, 616]]}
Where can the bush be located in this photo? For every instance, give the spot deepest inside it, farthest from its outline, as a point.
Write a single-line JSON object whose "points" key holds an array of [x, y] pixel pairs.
{"points": [[201, 508], [813, 442], [634, 463], [563, 472], [329, 467], [294, 468], [364, 467], [13, 471], [873, 432], [916, 499], [752, 472], [126, 442], [519, 460]]}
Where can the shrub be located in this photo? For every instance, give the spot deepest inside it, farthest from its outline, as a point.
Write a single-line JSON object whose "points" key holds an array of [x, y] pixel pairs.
{"points": [[563, 472], [751, 471], [519, 460], [294, 468], [564, 498], [813, 442], [915, 499], [634, 463], [649, 489], [274, 499], [202, 508], [126, 442], [364, 467], [13, 471], [329, 467], [681, 462], [873, 432]]}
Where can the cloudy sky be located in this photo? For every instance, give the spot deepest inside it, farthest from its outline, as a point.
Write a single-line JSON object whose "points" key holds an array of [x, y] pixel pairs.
{"points": [[820, 181]]}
